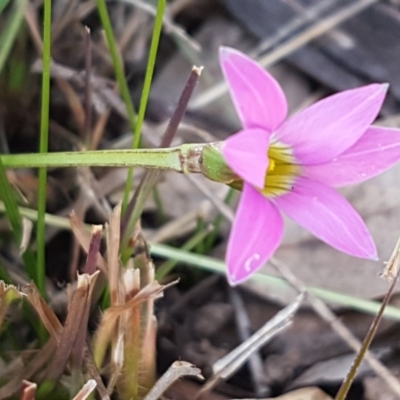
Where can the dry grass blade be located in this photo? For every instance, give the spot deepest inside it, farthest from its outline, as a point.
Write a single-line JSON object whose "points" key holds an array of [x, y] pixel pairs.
{"points": [[335, 323], [176, 371], [113, 230], [28, 390], [34, 366], [103, 95], [78, 350], [226, 366], [345, 387], [147, 319], [95, 374], [224, 209], [46, 314], [87, 388], [113, 233], [169, 26], [178, 227], [135, 206], [229, 364], [74, 102], [27, 226], [111, 315], [83, 237], [73, 335], [94, 249], [391, 269], [255, 361], [308, 393]]}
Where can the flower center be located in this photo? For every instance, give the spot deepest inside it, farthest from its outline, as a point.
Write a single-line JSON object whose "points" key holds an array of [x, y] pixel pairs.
{"points": [[271, 165], [282, 170]]}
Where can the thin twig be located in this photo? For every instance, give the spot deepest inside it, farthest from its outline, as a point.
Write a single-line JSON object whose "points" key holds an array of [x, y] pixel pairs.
{"points": [[345, 387], [255, 361], [224, 209], [181, 106], [226, 366], [177, 370], [149, 178], [327, 315]]}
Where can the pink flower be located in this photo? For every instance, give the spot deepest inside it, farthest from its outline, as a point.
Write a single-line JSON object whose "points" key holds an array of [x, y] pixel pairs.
{"points": [[291, 165]]}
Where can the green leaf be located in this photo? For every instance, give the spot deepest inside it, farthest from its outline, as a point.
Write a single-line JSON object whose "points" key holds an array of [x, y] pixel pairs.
{"points": [[14, 217], [11, 29]]}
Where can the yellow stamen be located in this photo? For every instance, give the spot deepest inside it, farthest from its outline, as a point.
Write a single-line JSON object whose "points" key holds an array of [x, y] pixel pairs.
{"points": [[281, 172], [271, 165]]}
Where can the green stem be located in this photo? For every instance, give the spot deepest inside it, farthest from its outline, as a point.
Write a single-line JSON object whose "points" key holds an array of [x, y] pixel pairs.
{"points": [[180, 159], [117, 62], [43, 147], [145, 93]]}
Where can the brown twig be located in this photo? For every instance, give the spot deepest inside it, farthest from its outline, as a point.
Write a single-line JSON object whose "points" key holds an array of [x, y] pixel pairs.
{"points": [[147, 182], [327, 315]]}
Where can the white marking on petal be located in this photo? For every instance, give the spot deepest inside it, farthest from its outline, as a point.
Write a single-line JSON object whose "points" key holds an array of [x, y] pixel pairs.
{"points": [[247, 264]]}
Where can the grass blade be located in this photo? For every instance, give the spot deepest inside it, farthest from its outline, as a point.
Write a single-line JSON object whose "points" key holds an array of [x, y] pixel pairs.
{"points": [[43, 147], [3, 4], [218, 266], [117, 63], [145, 92], [14, 217], [11, 30]]}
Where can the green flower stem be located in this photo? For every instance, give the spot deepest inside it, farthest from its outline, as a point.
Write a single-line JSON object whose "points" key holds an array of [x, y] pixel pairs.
{"points": [[176, 159], [205, 158]]}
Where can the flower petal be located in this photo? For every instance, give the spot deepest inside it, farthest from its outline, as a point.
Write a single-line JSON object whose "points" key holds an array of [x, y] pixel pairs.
{"points": [[246, 153], [258, 98], [329, 216], [256, 233], [332, 125], [376, 151]]}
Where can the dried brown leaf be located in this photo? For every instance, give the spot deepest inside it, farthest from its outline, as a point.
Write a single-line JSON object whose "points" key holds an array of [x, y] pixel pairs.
{"points": [[104, 334], [73, 336], [74, 103], [152, 291], [146, 346], [46, 314], [94, 249], [34, 366], [95, 374], [176, 371], [392, 266], [84, 238], [113, 230]]}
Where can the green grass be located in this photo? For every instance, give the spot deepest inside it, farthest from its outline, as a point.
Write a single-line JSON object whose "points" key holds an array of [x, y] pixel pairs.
{"points": [[11, 29], [218, 266], [7, 39], [43, 147], [145, 92]]}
